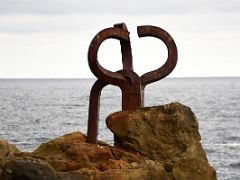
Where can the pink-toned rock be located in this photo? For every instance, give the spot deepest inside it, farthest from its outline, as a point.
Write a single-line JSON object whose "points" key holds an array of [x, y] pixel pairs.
{"points": [[71, 152]]}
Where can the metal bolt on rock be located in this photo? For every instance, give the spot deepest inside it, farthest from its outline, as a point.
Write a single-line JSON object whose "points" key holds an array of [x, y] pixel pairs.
{"points": [[131, 84]]}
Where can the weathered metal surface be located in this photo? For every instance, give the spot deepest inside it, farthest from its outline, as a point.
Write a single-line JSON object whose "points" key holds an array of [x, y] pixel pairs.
{"points": [[131, 84]]}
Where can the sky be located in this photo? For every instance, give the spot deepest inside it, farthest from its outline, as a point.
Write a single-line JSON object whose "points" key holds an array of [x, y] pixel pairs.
{"points": [[50, 38]]}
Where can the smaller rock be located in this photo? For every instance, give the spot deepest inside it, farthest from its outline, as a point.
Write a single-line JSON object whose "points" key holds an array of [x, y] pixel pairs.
{"points": [[60, 144], [27, 168], [70, 152]]}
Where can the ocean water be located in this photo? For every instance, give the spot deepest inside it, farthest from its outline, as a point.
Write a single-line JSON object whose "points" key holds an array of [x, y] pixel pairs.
{"points": [[32, 111]]}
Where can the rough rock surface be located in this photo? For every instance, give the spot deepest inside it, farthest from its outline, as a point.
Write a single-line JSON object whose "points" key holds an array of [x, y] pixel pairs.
{"points": [[148, 170], [168, 134], [24, 168], [7, 148], [71, 152], [157, 143]]}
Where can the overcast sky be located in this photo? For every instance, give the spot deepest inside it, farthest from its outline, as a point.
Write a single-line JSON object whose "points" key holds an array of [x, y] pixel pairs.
{"points": [[50, 38]]}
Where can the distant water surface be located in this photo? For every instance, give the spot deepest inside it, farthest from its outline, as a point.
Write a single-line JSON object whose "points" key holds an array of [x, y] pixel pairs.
{"points": [[32, 111]]}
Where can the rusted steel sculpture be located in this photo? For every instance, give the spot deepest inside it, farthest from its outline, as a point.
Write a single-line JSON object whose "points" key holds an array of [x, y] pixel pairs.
{"points": [[131, 84]]}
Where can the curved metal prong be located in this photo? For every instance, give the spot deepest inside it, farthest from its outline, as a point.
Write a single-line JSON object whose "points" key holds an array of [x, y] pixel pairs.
{"points": [[171, 62], [105, 75]]}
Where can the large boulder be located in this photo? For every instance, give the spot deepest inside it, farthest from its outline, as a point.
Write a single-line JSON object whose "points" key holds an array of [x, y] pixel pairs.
{"points": [[167, 134]]}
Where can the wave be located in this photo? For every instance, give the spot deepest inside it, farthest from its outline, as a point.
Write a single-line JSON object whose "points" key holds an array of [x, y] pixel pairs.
{"points": [[235, 165], [225, 144], [234, 138], [42, 139]]}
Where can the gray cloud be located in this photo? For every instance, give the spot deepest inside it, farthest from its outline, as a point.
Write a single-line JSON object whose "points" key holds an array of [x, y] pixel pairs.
{"points": [[26, 16], [118, 7], [214, 22]]}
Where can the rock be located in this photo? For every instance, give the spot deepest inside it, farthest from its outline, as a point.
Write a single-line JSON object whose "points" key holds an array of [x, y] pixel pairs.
{"points": [[71, 152], [159, 142], [59, 144], [7, 149], [27, 168], [168, 134]]}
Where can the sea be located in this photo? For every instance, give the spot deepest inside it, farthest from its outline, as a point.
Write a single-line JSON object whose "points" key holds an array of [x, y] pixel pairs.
{"points": [[33, 111]]}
